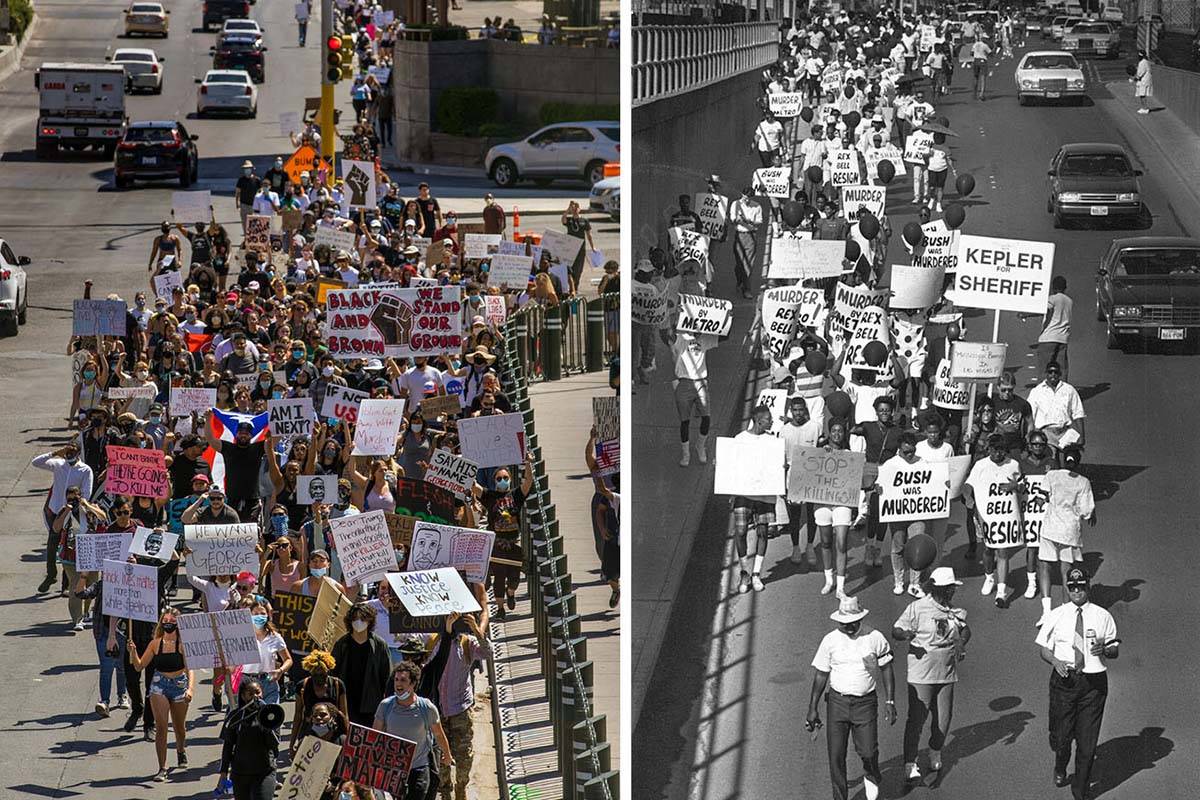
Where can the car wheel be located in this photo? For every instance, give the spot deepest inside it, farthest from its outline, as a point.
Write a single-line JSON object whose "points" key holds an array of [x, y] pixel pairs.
{"points": [[46, 148], [254, 112], [1112, 340], [1022, 100], [8, 325], [24, 308], [504, 173], [593, 173]]}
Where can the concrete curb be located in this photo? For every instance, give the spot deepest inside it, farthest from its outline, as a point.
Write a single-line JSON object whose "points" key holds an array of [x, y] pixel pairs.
{"points": [[10, 59]]}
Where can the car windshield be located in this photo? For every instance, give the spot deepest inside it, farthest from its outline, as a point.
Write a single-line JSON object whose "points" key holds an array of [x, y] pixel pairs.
{"points": [[225, 78], [1104, 165], [1134, 263], [149, 135], [133, 57], [1101, 29], [240, 25], [1051, 62], [1059, 20], [142, 8]]}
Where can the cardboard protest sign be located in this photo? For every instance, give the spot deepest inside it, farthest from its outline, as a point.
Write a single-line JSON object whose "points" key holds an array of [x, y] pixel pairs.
{"points": [[700, 315], [453, 473], [859, 196], [1003, 274], [848, 302], [130, 590], [713, 210], [358, 180], [561, 247], [137, 472], [316, 489], [784, 310], [785, 104], [608, 458], [750, 467], [427, 593], [917, 147], [648, 305], [378, 425], [888, 153], [315, 760], [509, 271], [844, 168], [131, 392], [423, 500], [825, 477], [913, 491], [439, 404], [291, 614], [166, 283], [401, 530], [98, 318], [494, 441], [480, 245], [831, 80], [221, 549], [960, 467], [153, 543], [374, 323], [688, 245], [795, 257], [342, 402], [435, 546], [363, 546], [234, 638], [948, 393], [258, 233], [1033, 508], [495, 311], [940, 249], [190, 207], [290, 417], [977, 361], [186, 400], [915, 287], [327, 622], [334, 238], [776, 401], [376, 759], [289, 121], [772, 182], [606, 416], [325, 285], [93, 549]]}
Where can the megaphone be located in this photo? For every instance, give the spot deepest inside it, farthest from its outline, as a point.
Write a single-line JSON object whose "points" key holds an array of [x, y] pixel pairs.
{"points": [[271, 716]]}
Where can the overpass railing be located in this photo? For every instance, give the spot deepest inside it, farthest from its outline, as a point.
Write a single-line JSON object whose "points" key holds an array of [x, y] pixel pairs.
{"points": [[672, 59]]}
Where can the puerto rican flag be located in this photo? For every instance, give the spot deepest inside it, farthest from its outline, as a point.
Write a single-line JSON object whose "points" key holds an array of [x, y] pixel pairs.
{"points": [[224, 427]]}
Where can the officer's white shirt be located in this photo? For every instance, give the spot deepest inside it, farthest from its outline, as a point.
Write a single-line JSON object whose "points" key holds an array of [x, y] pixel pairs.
{"points": [[850, 662], [1058, 633]]}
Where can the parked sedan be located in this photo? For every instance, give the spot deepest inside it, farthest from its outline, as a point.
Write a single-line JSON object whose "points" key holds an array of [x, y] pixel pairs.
{"points": [[14, 291], [1093, 181], [1149, 287], [143, 68], [1049, 75], [597, 198], [227, 91], [1093, 39], [149, 19], [241, 51], [156, 150], [572, 150]]}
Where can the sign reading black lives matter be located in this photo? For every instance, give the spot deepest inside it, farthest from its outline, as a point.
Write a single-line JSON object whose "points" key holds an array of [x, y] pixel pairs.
{"points": [[221, 549], [376, 759], [699, 314]]}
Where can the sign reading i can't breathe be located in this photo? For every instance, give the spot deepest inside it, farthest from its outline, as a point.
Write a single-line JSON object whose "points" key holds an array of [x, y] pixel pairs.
{"points": [[1003, 274], [136, 472], [699, 314]]}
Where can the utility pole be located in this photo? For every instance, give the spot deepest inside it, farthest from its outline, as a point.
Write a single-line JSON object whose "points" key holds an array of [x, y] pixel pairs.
{"points": [[325, 115]]}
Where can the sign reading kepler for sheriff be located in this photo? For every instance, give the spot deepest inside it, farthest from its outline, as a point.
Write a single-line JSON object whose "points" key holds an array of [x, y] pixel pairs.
{"points": [[1004, 274]]}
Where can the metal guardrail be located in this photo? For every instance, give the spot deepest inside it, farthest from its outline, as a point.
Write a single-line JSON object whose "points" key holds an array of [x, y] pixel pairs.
{"points": [[673, 59], [568, 339]]}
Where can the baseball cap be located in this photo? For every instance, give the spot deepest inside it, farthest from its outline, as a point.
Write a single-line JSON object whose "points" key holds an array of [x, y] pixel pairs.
{"points": [[944, 576], [1077, 576]]}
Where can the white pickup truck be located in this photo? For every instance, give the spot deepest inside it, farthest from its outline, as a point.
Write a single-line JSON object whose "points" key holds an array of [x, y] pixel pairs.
{"points": [[81, 105]]}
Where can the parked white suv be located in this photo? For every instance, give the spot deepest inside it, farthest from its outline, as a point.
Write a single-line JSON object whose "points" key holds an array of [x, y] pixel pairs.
{"points": [[571, 150], [14, 294]]}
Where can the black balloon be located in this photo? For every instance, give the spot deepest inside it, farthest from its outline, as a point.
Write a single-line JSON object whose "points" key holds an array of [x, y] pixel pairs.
{"points": [[955, 215], [806, 114], [913, 234], [815, 174], [868, 225], [853, 251], [793, 213], [886, 170], [852, 120], [965, 184]]}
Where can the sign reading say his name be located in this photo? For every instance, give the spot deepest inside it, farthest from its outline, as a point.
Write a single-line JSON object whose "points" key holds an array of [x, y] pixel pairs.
{"points": [[713, 210], [435, 546], [315, 760], [378, 424], [750, 467], [290, 417], [376, 759], [913, 491], [799, 258], [699, 314], [453, 473], [825, 477], [977, 361], [648, 305], [688, 245], [342, 402], [186, 400], [130, 590], [433, 592], [785, 308], [234, 631], [291, 614], [137, 472], [93, 549], [872, 198], [493, 441], [221, 549], [772, 181], [98, 318], [364, 546], [1003, 274], [785, 104], [373, 323]]}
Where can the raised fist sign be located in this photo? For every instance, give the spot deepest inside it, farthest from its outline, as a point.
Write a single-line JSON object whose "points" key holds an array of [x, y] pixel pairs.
{"points": [[393, 319], [359, 182]]}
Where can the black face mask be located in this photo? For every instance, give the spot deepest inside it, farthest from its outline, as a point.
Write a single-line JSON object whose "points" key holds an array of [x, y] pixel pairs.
{"points": [[169, 627]]}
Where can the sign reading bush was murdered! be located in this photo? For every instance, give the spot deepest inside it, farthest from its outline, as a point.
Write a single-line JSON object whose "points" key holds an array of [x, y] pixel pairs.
{"points": [[221, 549], [913, 491], [375, 323], [699, 314], [825, 477], [137, 472]]}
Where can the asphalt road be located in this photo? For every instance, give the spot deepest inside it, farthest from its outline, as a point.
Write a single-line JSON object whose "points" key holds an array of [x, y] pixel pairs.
{"points": [[66, 216], [724, 707]]}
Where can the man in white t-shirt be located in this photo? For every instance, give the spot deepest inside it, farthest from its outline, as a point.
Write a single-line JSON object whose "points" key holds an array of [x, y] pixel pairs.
{"points": [[747, 217], [1057, 409], [768, 139], [423, 380], [691, 389]]}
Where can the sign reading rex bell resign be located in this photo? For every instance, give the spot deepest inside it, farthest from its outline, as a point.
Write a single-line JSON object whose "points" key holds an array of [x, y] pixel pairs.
{"points": [[1004, 274]]}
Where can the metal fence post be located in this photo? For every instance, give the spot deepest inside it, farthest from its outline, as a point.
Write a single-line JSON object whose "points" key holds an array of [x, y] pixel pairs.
{"points": [[595, 335], [551, 355]]}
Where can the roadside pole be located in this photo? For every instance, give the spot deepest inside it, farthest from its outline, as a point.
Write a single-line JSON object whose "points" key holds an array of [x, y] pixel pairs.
{"points": [[325, 115]]}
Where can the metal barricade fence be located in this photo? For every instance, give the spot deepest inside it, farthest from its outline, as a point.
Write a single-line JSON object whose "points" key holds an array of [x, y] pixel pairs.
{"points": [[672, 59], [576, 336]]}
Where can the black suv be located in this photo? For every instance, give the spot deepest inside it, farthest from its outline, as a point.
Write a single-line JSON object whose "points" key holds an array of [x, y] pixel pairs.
{"points": [[158, 150], [217, 11], [241, 51]]}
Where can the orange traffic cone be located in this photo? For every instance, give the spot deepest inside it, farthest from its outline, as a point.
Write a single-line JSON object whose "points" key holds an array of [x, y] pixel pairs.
{"points": [[516, 224]]}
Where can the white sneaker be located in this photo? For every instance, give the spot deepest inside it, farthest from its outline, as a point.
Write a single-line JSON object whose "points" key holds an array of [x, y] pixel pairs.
{"points": [[912, 772], [1042, 619], [702, 451], [102, 710], [797, 554], [757, 583], [989, 583], [744, 584], [1031, 590], [828, 587], [122, 702], [915, 591], [1143, 111], [898, 588], [685, 457], [78, 626], [938, 208]]}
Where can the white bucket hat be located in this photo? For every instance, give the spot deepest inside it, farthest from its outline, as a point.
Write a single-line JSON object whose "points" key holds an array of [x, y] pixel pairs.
{"points": [[849, 610]]}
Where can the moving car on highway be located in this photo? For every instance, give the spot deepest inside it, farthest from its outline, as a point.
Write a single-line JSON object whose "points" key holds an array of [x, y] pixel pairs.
{"points": [[572, 150], [1090, 180], [1093, 39], [79, 105], [1149, 287], [241, 51], [247, 26], [156, 150], [1049, 75], [215, 12], [148, 19], [227, 91], [14, 292], [143, 68]]}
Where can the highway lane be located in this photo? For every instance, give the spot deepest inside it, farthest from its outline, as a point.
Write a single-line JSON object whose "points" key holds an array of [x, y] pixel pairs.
{"points": [[724, 710]]}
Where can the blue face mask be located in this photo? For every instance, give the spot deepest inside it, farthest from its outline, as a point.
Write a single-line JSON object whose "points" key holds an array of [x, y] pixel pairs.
{"points": [[333, 421], [318, 572], [503, 485], [276, 395], [474, 298], [259, 620]]}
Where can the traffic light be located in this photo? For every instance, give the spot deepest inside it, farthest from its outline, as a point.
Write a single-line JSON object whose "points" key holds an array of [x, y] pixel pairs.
{"points": [[333, 59], [347, 54]]}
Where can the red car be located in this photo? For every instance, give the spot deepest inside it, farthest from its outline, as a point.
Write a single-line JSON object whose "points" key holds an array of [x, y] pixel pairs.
{"points": [[156, 151]]}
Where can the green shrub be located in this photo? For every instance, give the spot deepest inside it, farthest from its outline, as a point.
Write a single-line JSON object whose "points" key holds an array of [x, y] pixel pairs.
{"points": [[442, 33], [499, 130], [551, 113], [461, 111], [21, 13]]}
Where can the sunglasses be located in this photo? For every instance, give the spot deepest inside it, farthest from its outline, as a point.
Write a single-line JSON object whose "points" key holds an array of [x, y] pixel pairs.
{"points": [[1076, 587]]}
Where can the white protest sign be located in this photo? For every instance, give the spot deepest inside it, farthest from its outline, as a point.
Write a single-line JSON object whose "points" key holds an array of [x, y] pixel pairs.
{"points": [[825, 477], [776, 401], [948, 393], [889, 153], [606, 417], [435, 546], [185, 400], [713, 210], [98, 318], [290, 417], [480, 245], [772, 182], [999, 508], [940, 249], [831, 80], [391, 322], [494, 309], [848, 303], [688, 245], [493, 441], [795, 257], [844, 168], [378, 425], [93, 549], [871, 325], [855, 197], [452, 473], [358, 182], [166, 283], [561, 247], [153, 543], [289, 121], [750, 467], [785, 104], [509, 271], [699, 314], [918, 147], [335, 238], [1033, 508], [132, 392], [342, 402], [648, 306], [960, 467], [130, 590], [189, 207], [784, 309], [316, 489], [913, 491], [309, 773], [221, 549], [977, 361], [364, 546], [235, 630], [915, 287], [432, 593], [1003, 274]]}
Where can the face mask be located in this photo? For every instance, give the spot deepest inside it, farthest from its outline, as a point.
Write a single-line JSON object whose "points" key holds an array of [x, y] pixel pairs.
{"points": [[326, 372], [89, 374], [417, 427], [402, 696], [73, 460], [297, 354], [401, 556], [169, 627], [278, 163], [139, 302], [276, 395], [389, 478], [318, 572], [345, 796], [259, 620], [320, 729], [474, 298], [451, 220], [155, 418], [503, 485], [359, 625]]}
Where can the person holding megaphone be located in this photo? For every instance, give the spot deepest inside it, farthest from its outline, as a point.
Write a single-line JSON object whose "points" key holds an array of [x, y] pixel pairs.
{"points": [[251, 744]]}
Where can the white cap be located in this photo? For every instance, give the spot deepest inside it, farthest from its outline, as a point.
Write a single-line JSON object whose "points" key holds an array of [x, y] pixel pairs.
{"points": [[944, 576]]}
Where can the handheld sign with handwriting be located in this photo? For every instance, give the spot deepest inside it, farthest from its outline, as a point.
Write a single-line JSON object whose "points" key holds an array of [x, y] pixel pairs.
{"points": [[848, 302], [291, 614], [785, 104], [713, 210], [153, 543], [335, 238], [1003, 274], [750, 467], [688, 246], [435, 546], [316, 489], [376, 759], [327, 623], [437, 405], [794, 257], [948, 393], [221, 549], [844, 168], [258, 233], [913, 491], [889, 153], [377, 427], [452, 473], [784, 309], [342, 402], [432, 592], [93, 549], [825, 477], [364, 547], [495, 311], [190, 207], [915, 286], [234, 630], [561, 247], [509, 271], [137, 472], [422, 499], [699, 315], [493, 441], [977, 361], [960, 467], [940, 248], [480, 245], [131, 392], [648, 305], [130, 590], [98, 318], [166, 284], [772, 182], [315, 761], [290, 417], [289, 121], [1033, 508], [606, 416], [872, 198]]}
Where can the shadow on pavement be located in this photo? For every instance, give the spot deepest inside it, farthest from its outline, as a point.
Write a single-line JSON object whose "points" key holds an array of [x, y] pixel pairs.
{"points": [[1107, 596], [1107, 478], [972, 740], [1119, 759]]}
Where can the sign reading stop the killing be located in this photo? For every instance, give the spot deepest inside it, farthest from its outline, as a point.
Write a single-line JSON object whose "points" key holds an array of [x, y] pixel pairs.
{"points": [[1003, 274]]}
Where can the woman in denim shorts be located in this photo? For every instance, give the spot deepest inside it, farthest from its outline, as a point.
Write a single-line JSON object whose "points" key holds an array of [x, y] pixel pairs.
{"points": [[170, 690]]}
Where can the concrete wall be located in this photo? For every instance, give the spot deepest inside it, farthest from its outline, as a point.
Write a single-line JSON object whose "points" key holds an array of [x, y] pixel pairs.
{"points": [[1178, 90], [524, 77]]}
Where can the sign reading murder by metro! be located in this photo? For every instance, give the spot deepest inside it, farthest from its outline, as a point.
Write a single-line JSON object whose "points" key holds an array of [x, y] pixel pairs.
{"points": [[364, 546], [98, 318], [699, 314], [291, 614], [427, 593], [688, 245], [872, 198], [452, 473], [750, 467], [130, 590], [374, 323], [137, 472], [797, 258], [434, 546], [713, 210], [342, 402], [1003, 274], [308, 775], [785, 308], [237, 642], [977, 361], [648, 305], [913, 491], [785, 104], [377, 427], [825, 477], [290, 417], [221, 549], [772, 181], [775, 400], [376, 759]]}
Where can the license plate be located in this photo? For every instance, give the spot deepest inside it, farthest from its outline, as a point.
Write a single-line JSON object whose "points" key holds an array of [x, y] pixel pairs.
{"points": [[149, 160], [81, 132], [1099, 211], [1171, 334], [1053, 95]]}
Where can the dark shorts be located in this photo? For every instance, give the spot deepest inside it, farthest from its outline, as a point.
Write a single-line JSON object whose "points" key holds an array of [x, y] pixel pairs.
{"points": [[938, 179]]}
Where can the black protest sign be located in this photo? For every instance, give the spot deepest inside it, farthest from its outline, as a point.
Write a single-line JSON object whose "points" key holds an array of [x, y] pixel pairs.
{"points": [[401, 622], [423, 500], [291, 614], [376, 759]]}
